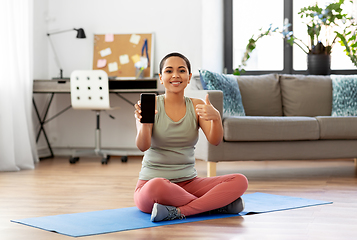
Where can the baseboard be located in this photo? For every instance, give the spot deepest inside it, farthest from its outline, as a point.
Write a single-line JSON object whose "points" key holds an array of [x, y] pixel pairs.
{"points": [[67, 152]]}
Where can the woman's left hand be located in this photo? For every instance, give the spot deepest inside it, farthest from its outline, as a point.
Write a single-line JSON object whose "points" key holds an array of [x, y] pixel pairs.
{"points": [[207, 111]]}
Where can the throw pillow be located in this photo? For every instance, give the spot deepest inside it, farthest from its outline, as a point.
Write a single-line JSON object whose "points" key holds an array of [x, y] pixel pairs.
{"points": [[195, 83], [344, 95], [261, 94], [228, 84], [306, 95]]}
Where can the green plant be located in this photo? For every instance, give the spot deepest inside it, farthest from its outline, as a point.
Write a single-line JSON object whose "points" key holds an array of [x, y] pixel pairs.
{"points": [[251, 46], [331, 20]]}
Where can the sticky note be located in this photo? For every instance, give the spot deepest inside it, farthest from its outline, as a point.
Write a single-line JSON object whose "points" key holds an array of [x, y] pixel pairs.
{"points": [[105, 52], [135, 38], [135, 58], [112, 67], [124, 59], [101, 63], [143, 63], [109, 37]]}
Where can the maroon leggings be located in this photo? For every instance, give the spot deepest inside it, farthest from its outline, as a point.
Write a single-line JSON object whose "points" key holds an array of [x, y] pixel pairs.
{"points": [[193, 196]]}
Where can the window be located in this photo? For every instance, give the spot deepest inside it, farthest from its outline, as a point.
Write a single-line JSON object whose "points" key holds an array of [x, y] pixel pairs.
{"points": [[339, 60], [245, 18]]}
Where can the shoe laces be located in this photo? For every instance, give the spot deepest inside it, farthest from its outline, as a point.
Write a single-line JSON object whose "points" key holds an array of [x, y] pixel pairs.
{"points": [[172, 213]]}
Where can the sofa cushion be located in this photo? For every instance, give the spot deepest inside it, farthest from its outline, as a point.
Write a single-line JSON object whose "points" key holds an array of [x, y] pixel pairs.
{"points": [[270, 128], [261, 95], [306, 95], [344, 95], [232, 100], [337, 127]]}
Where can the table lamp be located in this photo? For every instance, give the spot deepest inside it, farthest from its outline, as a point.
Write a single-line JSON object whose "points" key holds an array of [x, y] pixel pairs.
{"points": [[80, 34]]}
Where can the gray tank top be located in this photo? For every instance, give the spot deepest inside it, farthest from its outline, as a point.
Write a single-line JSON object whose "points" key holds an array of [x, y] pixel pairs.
{"points": [[171, 154]]}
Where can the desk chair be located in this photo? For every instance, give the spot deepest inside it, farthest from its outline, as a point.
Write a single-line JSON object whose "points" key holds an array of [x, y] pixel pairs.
{"points": [[90, 91]]}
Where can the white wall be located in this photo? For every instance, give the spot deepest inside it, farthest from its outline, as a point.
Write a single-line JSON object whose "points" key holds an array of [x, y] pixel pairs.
{"points": [[187, 26], [40, 39], [176, 25]]}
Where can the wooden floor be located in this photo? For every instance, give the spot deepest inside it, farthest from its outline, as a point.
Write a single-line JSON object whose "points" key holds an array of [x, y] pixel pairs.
{"points": [[56, 187]]}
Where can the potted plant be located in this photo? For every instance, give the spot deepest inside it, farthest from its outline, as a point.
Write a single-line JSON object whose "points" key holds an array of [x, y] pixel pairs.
{"points": [[337, 25]]}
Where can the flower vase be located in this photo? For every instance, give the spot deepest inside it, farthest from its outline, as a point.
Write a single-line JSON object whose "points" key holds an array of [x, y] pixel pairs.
{"points": [[319, 64]]}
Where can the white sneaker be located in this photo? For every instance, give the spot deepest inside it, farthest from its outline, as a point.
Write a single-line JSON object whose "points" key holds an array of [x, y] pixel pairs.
{"points": [[162, 213]]}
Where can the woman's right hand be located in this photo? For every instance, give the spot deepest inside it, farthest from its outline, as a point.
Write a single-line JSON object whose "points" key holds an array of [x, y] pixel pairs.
{"points": [[137, 112], [144, 130]]}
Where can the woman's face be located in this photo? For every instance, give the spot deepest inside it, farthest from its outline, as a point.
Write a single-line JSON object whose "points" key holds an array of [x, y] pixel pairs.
{"points": [[175, 75]]}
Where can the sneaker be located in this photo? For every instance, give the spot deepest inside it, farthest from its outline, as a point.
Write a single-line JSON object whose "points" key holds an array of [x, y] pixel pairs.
{"points": [[164, 213], [236, 206]]}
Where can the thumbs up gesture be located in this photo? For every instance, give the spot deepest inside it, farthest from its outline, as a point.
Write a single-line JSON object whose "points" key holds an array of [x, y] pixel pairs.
{"points": [[207, 111]]}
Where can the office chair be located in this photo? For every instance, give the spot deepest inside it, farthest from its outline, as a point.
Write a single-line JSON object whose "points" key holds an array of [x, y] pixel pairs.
{"points": [[90, 91]]}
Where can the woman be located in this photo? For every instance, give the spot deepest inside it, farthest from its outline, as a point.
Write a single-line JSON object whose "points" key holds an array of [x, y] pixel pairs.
{"points": [[168, 186]]}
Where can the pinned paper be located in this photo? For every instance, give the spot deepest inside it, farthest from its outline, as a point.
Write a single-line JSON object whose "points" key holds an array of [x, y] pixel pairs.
{"points": [[135, 58], [112, 67], [109, 37], [143, 63], [124, 59], [135, 38], [105, 52], [101, 63]]}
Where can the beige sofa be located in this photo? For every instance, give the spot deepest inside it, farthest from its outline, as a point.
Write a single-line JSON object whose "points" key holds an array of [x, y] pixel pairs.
{"points": [[287, 117]]}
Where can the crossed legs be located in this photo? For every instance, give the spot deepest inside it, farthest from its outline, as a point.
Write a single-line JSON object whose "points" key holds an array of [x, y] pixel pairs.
{"points": [[193, 196]]}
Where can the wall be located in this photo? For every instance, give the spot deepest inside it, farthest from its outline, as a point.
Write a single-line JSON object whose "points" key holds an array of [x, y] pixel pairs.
{"points": [[40, 42], [186, 26]]}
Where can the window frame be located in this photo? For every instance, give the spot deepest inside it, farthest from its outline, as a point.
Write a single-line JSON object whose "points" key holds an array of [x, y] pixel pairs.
{"points": [[287, 48]]}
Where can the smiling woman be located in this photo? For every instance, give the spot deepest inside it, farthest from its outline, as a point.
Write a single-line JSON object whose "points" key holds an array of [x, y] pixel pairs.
{"points": [[174, 71], [168, 186]]}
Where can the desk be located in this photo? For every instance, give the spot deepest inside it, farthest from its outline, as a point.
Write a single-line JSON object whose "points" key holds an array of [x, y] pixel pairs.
{"points": [[63, 86]]}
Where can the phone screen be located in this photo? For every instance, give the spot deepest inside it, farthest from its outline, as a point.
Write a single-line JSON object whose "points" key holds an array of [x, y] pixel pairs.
{"points": [[148, 101]]}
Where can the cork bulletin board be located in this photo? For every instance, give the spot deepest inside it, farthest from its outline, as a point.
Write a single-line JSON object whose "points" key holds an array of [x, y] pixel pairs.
{"points": [[124, 55]]}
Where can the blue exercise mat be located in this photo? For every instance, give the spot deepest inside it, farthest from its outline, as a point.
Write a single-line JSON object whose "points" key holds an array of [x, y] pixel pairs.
{"points": [[122, 219]]}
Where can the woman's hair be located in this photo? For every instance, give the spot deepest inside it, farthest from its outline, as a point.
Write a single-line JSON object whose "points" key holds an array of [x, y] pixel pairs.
{"points": [[175, 54]]}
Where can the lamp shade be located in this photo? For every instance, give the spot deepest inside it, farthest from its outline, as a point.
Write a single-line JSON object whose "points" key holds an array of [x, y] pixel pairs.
{"points": [[80, 33]]}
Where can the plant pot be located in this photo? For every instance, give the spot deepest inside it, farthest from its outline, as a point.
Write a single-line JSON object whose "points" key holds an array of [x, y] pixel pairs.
{"points": [[319, 64]]}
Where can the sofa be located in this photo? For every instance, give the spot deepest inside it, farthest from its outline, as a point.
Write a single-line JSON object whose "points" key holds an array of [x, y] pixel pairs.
{"points": [[282, 117]]}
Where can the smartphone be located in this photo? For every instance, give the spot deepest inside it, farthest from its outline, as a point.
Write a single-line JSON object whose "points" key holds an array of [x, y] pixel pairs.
{"points": [[148, 101]]}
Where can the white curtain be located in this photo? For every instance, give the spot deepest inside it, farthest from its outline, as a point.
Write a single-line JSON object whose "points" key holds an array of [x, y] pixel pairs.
{"points": [[17, 141]]}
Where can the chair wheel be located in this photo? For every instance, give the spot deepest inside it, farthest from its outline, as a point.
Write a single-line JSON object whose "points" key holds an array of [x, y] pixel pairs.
{"points": [[124, 158], [73, 160], [105, 160]]}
